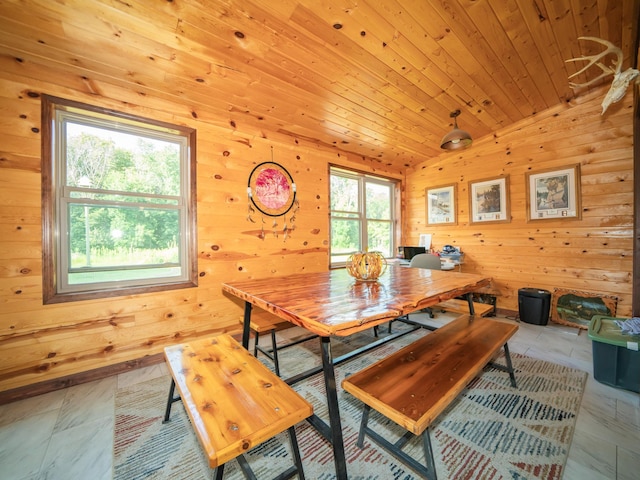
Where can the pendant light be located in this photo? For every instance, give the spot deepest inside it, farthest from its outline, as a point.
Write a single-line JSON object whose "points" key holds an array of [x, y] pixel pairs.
{"points": [[456, 138]]}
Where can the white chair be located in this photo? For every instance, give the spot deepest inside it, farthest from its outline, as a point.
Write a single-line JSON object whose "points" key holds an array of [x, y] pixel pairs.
{"points": [[429, 261], [426, 260]]}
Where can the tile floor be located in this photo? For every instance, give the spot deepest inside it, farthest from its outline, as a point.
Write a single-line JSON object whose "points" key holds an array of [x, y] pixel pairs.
{"points": [[68, 434]]}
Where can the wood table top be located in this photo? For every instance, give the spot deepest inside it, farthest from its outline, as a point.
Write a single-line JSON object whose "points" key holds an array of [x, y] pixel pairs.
{"points": [[334, 303]]}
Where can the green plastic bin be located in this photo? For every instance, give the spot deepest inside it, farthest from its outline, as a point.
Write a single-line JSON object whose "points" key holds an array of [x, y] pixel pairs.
{"points": [[616, 359]]}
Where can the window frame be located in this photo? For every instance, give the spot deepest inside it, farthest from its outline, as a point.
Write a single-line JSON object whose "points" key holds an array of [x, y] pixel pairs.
{"points": [[363, 179], [54, 242]]}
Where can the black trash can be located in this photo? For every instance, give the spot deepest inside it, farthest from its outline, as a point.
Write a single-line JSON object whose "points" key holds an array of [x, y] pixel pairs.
{"points": [[534, 305]]}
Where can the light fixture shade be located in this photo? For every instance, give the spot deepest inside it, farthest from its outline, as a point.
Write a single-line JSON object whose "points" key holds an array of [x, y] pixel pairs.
{"points": [[456, 138]]}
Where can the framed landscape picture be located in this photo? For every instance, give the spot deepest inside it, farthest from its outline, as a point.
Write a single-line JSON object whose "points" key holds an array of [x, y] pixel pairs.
{"points": [[489, 201], [575, 308], [441, 205], [554, 193]]}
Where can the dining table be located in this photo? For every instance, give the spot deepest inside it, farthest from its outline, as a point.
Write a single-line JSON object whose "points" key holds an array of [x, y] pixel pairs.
{"points": [[332, 303]]}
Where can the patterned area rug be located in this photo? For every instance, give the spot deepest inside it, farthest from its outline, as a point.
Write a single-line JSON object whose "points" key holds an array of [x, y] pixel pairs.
{"points": [[491, 431]]}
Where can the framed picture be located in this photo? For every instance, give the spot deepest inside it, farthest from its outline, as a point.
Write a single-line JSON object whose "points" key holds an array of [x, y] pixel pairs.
{"points": [[553, 194], [441, 205], [489, 201], [575, 308]]}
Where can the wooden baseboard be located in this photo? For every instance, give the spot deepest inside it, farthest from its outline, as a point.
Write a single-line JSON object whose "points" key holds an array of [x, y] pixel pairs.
{"points": [[47, 386]]}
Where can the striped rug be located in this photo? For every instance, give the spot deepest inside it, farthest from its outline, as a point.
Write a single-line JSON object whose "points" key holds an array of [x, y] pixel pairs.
{"points": [[491, 431]]}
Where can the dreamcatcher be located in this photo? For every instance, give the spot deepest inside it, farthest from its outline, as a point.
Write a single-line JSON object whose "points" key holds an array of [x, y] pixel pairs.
{"points": [[272, 192]]}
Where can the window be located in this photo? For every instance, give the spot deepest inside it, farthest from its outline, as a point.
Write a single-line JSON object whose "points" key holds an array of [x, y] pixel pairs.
{"points": [[119, 203], [362, 214]]}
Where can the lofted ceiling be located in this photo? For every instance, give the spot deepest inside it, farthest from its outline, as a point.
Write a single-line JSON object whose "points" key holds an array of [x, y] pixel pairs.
{"points": [[378, 78]]}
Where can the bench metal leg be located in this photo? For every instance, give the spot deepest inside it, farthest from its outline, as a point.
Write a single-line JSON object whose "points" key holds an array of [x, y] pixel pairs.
{"points": [[395, 449], [246, 468], [512, 375], [256, 342], [508, 368], [287, 474], [428, 453], [170, 400], [375, 329], [270, 354], [363, 425], [296, 453]]}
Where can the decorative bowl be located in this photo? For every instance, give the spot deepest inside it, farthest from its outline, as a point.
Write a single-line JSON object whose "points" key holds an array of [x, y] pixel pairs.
{"points": [[366, 266]]}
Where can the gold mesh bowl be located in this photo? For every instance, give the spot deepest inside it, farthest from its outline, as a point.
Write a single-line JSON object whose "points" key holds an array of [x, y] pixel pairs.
{"points": [[367, 266]]}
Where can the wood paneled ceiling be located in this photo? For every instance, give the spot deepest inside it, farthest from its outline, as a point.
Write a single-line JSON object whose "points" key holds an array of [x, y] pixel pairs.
{"points": [[378, 78]]}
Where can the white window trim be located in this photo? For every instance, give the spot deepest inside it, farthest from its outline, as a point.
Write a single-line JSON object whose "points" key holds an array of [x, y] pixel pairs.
{"points": [[363, 179]]}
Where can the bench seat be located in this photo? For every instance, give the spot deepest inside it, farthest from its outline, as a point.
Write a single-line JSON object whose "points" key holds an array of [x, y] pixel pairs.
{"points": [[234, 402], [415, 384], [462, 306]]}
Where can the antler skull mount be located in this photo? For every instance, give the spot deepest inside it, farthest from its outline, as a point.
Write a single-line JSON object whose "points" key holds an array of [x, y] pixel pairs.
{"points": [[621, 80]]}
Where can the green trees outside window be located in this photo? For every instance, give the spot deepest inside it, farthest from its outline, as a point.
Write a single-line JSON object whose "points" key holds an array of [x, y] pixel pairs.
{"points": [[362, 214]]}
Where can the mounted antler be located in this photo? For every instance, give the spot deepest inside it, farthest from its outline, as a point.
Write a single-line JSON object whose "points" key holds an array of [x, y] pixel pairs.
{"points": [[621, 80]]}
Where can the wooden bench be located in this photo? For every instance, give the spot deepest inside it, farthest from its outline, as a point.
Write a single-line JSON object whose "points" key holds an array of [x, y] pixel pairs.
{"points": [[416, 383], [234, 402], [456, 305], [462, 306], [263, 322]]}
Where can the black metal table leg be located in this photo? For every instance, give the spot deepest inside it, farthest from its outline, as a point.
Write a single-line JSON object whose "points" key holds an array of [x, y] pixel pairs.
{"points": [[274, 352], [472, 311], [246, 327], [334, 410]]}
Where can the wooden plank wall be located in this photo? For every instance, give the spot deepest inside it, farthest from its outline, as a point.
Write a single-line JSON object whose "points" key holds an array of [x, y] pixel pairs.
{"points": [[593, 254], [42, 342], [39, 343]]}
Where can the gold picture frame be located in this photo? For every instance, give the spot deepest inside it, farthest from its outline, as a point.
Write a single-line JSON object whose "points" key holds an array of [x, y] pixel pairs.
{"points": [[441, 205], [489, 201], [554, 194]]}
